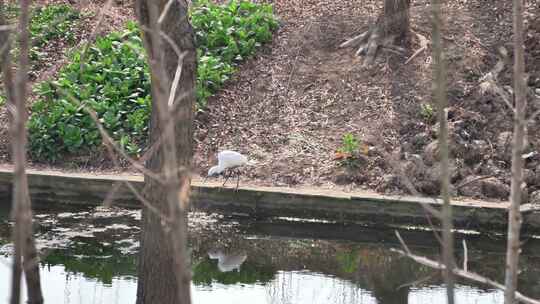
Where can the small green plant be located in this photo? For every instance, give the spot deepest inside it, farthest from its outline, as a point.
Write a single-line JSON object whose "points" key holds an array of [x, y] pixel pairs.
{"points": [[114, 80], [2, 98], [427, 112], [349, 144], [52, 22], [349, 151]]}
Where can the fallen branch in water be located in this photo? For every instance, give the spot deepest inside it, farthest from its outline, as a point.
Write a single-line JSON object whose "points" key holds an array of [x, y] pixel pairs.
{"points": [[459, 272]]}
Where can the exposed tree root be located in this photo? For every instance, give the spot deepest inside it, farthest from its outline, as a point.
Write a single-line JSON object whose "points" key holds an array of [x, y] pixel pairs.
{"points": [[370, 41], [424, 42], [489, 83]]}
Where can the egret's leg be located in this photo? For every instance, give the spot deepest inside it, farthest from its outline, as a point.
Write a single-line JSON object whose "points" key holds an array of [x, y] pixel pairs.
{"points": [[226, 179], [237, 181]]}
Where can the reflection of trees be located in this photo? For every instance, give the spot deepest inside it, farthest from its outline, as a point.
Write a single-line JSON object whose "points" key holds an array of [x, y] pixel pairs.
{"points": [[4, 227], [491, 265], [4, 211], [388, 275], [93, 260], [529, 278]]}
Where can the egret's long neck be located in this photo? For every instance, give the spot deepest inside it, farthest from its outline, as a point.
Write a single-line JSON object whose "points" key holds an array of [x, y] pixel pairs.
{"points": [[218, 169]]}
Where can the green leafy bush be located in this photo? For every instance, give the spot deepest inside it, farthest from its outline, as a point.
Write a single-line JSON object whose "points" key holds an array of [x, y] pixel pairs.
{"points": [[225, 35], [114, 80]]}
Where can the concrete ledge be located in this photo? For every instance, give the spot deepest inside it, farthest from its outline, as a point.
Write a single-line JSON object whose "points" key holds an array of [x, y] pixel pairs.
{"points": [[264, 202]]}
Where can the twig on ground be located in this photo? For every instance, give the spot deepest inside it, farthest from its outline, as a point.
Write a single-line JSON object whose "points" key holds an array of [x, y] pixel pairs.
{"points": [[474, 181]]}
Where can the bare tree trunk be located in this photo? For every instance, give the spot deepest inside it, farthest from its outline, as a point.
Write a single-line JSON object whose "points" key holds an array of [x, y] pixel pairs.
{"points": [[439, 73], [514, 215], [164, 275], [25, 255], [393, 25], [396, 18]]}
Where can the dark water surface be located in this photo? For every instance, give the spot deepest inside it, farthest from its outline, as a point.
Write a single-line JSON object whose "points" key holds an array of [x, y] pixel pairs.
{"points": [[89, 256]]}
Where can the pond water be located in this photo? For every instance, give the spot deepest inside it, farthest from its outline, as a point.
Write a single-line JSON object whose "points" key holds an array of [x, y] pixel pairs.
{"points": [[89, 256]]}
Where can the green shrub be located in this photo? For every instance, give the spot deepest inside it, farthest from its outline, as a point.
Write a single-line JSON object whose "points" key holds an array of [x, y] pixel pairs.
{"points": [[114, 80], [225, 35]]}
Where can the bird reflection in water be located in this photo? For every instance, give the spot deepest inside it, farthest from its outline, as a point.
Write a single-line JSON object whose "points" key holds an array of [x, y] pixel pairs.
{"points": [[227, 262]]}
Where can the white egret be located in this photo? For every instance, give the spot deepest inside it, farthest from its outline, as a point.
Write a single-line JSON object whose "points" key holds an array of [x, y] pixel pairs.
{"points": [[228, 163]]}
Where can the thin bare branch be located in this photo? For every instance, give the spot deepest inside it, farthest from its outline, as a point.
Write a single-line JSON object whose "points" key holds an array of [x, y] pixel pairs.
{"points": [[406, 181], [437, 235], [109, 199], [403, 244], [464, 274], [533, 117], [146, 203], [110, 142], [465, 255], [474, 180], [7, 27], [176, 80], [518, 145], [16, 91], [439, 92], [94, 33], [416, 282], [107, 139], [165, 12], [504, 96]]}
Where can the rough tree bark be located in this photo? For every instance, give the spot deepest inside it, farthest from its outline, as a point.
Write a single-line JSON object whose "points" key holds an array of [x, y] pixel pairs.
{"points": [[391, 31], [439, 92], [164, 275], [25, 256], [514, 215]]}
